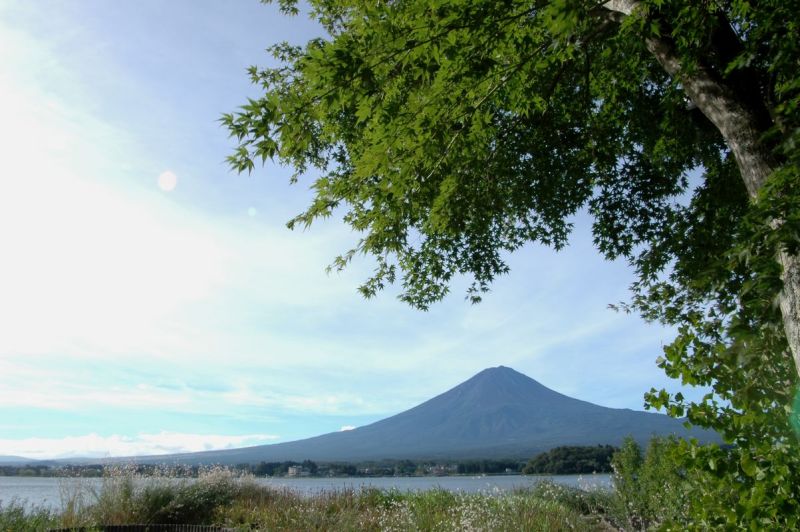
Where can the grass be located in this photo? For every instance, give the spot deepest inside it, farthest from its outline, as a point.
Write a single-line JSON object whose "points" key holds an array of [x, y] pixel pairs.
{"points": [[220, 498], [14, 516], [373, 509]]}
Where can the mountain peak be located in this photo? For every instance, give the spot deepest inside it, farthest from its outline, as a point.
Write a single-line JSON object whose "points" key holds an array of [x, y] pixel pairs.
{"points": [[502, 371], [498, 372], [502, 378], [499, 369], [499, 412]]}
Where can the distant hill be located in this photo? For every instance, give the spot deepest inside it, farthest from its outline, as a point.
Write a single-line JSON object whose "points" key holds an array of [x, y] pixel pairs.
{"points": [[15, 460], [497, 413]]}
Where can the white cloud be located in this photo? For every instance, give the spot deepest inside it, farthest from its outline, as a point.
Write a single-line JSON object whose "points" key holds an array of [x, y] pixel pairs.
{"points": [[45, 384], [346, 428], [96, 264], [74, 396], [86, 260], [96, 446], [281, 397]]}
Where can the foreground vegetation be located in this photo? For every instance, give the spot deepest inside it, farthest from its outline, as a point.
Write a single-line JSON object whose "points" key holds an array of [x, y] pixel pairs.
{"points": [[651, 492], [220, 498]]}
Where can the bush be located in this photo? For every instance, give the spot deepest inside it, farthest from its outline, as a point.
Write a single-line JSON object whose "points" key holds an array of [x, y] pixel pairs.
{"points": [[651, 489], [195, 503], [126, 497]]}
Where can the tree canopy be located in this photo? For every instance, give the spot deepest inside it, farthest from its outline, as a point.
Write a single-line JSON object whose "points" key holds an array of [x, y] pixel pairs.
{"points": [[451, 133], [572, 460]]}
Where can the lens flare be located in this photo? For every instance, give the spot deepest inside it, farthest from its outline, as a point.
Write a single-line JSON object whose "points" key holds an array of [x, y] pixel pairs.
{"points": [[167, 181]]}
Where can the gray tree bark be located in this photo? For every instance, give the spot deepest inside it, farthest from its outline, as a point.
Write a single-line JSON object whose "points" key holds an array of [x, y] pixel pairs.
{"points": [[790, 303], [738, 126]]}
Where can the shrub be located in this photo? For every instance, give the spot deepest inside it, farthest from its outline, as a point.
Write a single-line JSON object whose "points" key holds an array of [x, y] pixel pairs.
{"points": [[651, 489]]}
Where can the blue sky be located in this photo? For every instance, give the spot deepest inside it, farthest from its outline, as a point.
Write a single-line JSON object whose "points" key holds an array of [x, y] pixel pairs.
{"points": [[153, 301]]}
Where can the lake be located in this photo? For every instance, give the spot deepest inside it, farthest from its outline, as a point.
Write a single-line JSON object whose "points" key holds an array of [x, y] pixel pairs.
{"points": [[50, 491]]}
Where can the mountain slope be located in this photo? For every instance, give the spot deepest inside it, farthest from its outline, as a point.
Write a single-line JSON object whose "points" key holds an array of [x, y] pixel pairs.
{"points": [[15, 460], [497, 413]]}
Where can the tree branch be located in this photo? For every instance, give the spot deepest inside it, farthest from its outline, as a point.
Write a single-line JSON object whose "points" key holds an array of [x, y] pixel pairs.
{"points": [[737, 121]]}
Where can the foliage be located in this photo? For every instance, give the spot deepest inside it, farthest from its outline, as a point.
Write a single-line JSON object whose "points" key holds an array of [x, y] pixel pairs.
{"points": [[448, 134], [731, 338], [651, 487], [456, 131], [568, 460]]}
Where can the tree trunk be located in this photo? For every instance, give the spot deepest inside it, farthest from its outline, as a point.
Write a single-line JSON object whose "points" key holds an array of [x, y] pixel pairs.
{"points": [[790, 302], [739, 126]]}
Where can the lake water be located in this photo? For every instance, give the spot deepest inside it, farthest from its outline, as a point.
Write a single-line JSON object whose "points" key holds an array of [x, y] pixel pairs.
{"points": [[49, 492]]}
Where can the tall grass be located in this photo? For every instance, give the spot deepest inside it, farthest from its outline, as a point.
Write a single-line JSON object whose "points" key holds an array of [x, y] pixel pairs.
{"points": [[373, 509], [650, 493], [15, 516], [218, 497]]}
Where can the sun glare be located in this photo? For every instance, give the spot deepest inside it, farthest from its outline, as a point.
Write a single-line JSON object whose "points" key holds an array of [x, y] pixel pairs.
{"points": [[167, 181]]}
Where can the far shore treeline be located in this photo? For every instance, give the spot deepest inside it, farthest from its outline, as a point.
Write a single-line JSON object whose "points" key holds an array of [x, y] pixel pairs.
{"points": [[562, 460]]}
